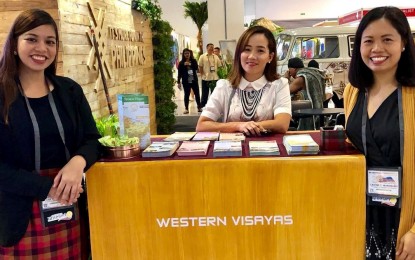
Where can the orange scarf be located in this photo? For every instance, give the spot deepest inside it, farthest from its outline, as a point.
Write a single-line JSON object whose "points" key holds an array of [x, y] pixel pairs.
{"points": [[407, 218]]}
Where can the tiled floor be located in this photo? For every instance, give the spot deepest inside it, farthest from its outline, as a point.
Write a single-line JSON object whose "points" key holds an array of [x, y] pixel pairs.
{"points": [[179, 100]]}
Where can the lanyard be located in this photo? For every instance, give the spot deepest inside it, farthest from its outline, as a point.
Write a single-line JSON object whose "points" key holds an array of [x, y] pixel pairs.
{"points": [[210, 64], [401, 130], [36, 125]]}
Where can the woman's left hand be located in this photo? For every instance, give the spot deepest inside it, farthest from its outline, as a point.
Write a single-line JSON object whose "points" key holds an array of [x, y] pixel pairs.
{"points": [[250, 128], [406, 247], [68, 181]]}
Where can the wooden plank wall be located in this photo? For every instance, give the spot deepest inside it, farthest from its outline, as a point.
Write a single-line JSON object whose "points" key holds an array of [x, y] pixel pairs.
{"points": [[73, 18]]}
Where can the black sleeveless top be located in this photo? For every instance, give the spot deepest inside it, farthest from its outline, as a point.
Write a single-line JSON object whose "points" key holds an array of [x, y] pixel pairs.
{"points": [[382, 131], [52, 150]]}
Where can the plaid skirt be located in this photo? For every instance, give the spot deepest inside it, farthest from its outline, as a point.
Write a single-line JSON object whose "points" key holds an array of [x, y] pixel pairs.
{"points": [[61, 241]]}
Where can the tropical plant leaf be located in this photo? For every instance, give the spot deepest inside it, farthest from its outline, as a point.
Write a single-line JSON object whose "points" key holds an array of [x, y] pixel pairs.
{"points": [[198, 12]]}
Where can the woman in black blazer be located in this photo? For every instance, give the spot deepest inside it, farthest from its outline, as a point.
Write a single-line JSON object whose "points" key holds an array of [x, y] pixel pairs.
{"points": [[187, 73], [48, 139]]}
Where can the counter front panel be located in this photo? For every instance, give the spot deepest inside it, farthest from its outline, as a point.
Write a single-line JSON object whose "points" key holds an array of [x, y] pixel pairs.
{"points": [[310, 207]]}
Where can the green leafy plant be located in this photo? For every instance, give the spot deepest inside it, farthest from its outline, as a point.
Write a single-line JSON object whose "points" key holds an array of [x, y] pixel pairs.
{"points": [[198, 12], [118, 141], [163, 80], [223, 71], [150, 9], [108, 127], [162, 55]]}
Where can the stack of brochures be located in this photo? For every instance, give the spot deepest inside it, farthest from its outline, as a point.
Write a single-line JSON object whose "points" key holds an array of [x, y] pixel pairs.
{"points": [[263, 148], [227, 148], [193, 148], [300, 144], [232, 137], [206, 136], [180, 136], [160, 149]]}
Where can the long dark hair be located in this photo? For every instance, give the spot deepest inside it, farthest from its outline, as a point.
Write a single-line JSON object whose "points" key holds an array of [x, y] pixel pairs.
{"points": [[270, 71], [9, 62], [360, 75], [190, 57]]}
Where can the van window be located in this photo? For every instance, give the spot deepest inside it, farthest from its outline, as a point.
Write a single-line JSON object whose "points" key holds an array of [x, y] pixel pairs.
{"points": [[350, 42], [316, 47], [283, 44]]}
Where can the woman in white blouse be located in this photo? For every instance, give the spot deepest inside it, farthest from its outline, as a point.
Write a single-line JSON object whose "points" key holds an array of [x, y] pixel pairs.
{"points": [[254, 98]]}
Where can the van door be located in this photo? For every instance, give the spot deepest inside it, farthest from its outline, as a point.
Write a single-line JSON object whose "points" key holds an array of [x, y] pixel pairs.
{"points": [[283, 45]]}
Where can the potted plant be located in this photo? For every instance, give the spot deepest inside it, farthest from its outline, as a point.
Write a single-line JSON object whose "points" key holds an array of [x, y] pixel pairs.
{"points": [[115, 145]]}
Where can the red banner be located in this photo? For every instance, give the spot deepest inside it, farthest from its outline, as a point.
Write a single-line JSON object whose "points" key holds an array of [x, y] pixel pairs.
{"points": [[358, 15], [409, 12]]}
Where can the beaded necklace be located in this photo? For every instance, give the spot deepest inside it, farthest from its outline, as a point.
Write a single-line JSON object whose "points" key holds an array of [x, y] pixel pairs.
{"points": [[250, 100]]}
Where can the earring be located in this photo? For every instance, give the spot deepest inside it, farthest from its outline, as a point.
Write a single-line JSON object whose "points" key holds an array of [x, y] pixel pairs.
{"points": [[403, 49], [15, 53]]}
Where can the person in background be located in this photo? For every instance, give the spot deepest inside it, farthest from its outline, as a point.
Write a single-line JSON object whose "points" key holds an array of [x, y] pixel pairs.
{"points": [[313, 64], [253, 98], [216, 51], [208, 68], [48, 138], [328, 89], [379, 107], [192, 94], [187, 74], [284, 51], [310, 83]]}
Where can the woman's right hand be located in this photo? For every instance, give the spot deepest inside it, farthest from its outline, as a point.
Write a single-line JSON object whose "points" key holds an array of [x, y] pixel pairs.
{"points": [[179, 86], [287, 74], [52, 193], [250, 128]]}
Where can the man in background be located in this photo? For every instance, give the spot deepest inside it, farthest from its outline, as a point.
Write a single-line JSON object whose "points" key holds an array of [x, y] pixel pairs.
{"points": [[310, 82], [216, 51], [208, 68]]}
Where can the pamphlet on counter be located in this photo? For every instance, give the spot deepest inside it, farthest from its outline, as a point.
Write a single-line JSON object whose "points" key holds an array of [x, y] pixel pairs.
{"points": [[134, 117], [193, 148], [160, 149], [300, 144]]}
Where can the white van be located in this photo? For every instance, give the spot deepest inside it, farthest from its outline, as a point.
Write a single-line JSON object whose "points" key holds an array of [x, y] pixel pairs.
{"points": [[330, 46]]}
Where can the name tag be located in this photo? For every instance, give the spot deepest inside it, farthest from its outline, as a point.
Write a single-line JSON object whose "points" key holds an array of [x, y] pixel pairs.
{"points": [[384, 182], [385, 201], [53, 212]]}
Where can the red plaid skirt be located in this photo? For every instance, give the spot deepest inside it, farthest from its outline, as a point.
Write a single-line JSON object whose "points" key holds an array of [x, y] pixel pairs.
{"points": [[61, 241]]}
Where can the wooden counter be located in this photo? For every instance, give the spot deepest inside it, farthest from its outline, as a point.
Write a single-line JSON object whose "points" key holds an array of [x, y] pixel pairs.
{"points": [[310, 207]]}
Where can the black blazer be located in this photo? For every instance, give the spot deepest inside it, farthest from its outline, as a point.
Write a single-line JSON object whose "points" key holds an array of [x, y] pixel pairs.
{"points": [[183, 74], [19, 185]]}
